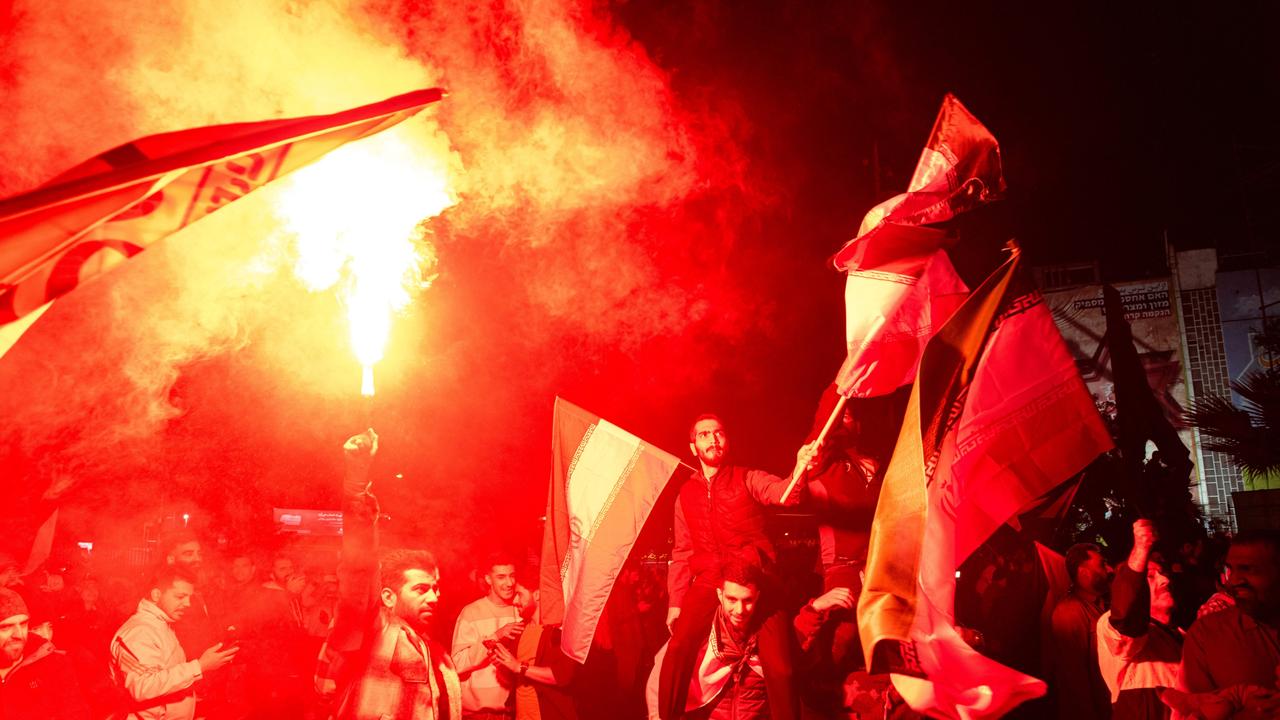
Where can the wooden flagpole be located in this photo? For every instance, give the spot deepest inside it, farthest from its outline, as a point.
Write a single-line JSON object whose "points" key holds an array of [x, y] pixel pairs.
{"points": [[839, 408]]}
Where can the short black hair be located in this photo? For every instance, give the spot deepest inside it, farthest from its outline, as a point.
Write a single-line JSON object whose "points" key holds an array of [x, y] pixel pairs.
{"points": [[1264, 537], [1078, 555], [165, 575], [742, 572], [498, 557], [395, 563], [700, 418], [169, 541]]}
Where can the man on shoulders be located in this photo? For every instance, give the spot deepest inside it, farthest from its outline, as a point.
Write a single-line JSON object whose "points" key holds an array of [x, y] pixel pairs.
{"points": [[719, 516]]}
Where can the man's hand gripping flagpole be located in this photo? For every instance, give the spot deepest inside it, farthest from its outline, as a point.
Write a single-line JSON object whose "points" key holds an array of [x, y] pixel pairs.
{"points": [[816, 445]]}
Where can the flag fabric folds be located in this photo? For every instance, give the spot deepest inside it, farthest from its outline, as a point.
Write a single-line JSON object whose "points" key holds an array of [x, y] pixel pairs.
{"points": [[604, 483], [110, 208], [901, 285], [998, 417]]}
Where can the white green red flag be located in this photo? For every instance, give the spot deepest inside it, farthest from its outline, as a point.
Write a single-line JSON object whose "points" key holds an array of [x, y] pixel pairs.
{"points": [[111, 207], [604, 483], [901, 285], [998, 417]]}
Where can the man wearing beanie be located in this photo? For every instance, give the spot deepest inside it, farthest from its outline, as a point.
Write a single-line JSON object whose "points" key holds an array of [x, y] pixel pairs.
{"points": [[36, 680]]}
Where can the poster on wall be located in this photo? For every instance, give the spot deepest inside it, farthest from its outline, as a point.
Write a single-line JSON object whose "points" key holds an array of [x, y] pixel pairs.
{"points": [[1079, 315]]}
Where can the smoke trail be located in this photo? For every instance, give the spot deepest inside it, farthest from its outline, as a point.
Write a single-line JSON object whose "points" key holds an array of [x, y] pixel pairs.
{"points": [[600, 206]]}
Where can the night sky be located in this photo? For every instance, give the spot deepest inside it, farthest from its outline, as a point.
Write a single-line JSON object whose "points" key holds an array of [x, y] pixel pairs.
{"points": [[699, 286]]}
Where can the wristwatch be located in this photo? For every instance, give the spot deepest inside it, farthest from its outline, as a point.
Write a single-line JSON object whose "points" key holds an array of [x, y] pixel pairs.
{"points": [[524, 668]]}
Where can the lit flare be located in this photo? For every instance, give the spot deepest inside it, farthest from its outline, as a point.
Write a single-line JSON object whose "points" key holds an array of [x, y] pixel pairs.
{"points": [[356, 215]]}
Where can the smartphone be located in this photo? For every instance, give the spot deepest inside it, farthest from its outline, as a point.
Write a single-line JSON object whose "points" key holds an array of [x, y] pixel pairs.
{"points": [[230, 637]]}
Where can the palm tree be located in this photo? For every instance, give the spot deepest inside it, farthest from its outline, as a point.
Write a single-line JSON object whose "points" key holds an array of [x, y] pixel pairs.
{"points": [[1248, 434]]}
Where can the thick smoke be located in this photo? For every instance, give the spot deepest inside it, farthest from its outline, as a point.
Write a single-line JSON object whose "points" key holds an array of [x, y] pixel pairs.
{"points": [[595, 216]]}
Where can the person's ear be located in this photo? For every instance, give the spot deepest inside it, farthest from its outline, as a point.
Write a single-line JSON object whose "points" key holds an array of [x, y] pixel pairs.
{"points": [[388, 598], [155, 595]]}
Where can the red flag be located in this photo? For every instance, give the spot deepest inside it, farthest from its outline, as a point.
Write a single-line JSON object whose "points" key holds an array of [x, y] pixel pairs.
{"points": [[998, 417], [901, 285], [110, 208], [604, 483]]}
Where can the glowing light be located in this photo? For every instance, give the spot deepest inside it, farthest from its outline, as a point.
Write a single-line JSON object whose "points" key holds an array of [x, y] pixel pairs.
{"points": [[356, 215]]}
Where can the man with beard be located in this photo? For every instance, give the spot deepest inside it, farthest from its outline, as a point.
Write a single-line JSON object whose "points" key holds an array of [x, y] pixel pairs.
{"points": [[719, 516], [729, 681], [1138, 646], [278, 667], [195, 631], [148, 663], [379, 661], [1240, 646], [36, 681], [482, 626]]}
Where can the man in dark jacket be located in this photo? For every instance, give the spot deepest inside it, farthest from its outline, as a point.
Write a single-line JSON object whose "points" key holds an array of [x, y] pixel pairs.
{"points": [[730, 681], [719, 516], [36, 680]]}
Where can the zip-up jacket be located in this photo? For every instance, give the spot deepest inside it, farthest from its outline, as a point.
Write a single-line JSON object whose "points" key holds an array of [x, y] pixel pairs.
{"points": [[148, 663]]}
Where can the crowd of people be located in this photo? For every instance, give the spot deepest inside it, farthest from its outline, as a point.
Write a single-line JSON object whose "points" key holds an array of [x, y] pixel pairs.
{"points": [[722, 632]]}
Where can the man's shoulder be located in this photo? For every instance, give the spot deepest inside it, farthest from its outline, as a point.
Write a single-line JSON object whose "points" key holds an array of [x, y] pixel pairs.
{"points": [[478, 608], [1216, 623], [1072, 609]]}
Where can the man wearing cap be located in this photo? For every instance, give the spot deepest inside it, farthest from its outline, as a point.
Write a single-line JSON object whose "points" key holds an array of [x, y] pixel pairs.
{"points": [[36, 680]]}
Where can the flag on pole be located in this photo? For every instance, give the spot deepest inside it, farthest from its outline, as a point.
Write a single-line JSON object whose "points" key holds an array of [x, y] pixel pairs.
{"points": [[108, 209], [604, 483], [998, 417], [901, 285], [1138, 413]]}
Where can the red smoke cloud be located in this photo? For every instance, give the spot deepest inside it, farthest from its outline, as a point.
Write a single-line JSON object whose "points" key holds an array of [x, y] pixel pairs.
{"points": [[590, 252]]}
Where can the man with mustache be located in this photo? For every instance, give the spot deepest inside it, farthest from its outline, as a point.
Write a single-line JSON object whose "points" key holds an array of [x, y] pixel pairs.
{"points": [[1240, 646], [379, 660], [1138, 646], [719, 516], [729, 678], [36, 680], [147, 661]]}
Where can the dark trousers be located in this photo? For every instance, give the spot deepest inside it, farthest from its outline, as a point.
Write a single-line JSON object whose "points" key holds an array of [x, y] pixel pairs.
{"points": [[774, 644]]}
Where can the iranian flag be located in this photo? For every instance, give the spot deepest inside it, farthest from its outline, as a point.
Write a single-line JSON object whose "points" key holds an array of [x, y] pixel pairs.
{"points": [[901, 285], [998, 417], [604, 483], [113, 206]]}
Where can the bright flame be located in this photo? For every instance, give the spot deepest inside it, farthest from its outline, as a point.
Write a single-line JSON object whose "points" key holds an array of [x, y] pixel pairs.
{"points": [[356, 215]]}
